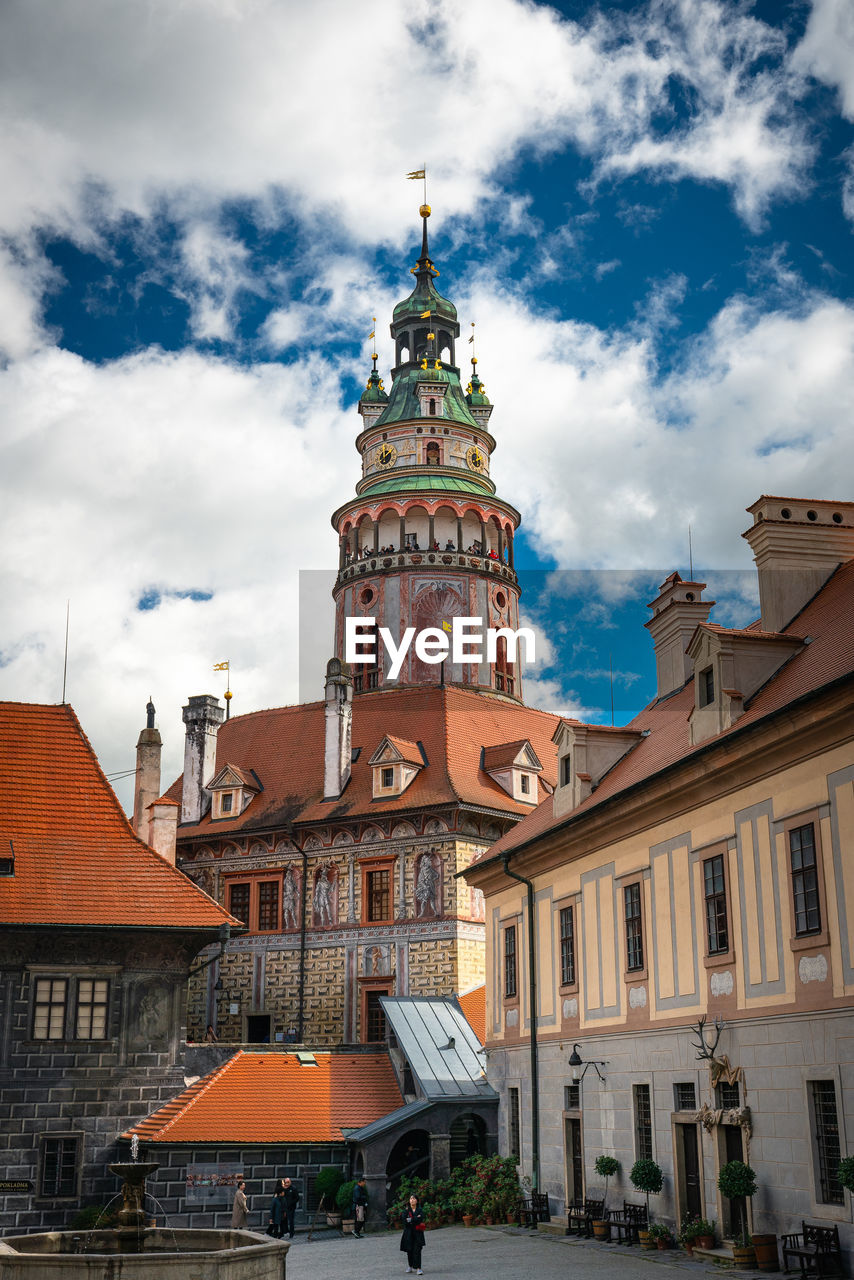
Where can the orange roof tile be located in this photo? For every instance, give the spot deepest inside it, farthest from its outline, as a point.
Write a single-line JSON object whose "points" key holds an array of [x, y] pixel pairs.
{"points": [[77, 859], [408, 751], [270, 1097], [284, 747], [826, 619], [473, 1005]]}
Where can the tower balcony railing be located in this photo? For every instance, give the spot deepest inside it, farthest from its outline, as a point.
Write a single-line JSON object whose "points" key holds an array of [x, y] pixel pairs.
{"points": [[361, 566]]}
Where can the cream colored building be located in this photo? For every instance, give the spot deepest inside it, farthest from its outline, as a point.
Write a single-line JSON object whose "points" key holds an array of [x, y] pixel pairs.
{"points": [[696, 864]]}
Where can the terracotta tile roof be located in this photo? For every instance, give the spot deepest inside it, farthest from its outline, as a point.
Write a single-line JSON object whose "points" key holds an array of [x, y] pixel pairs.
{"points": [[826, 619], [77, 860], [503, 754], [284, 747], [270, 1097], [408, 751], [473, 1005]]}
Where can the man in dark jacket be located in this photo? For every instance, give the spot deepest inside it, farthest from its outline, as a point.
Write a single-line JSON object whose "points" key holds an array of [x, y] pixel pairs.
{"points": [[277, 1215], [360, 1208], [290, 1207]]}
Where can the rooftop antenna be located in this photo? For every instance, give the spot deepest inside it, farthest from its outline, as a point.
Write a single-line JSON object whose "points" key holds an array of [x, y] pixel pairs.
{"points": [[65, 662], [611, 678], [690, 556]]}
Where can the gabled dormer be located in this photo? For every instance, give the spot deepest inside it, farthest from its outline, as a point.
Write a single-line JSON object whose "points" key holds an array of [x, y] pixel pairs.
{"points": [[585, 754], [232, 790], [514, 766], [395, 763], [729, 666]]}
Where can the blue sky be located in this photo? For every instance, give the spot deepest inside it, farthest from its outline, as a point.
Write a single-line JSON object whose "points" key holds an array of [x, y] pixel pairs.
{"points": [[647, 208]]}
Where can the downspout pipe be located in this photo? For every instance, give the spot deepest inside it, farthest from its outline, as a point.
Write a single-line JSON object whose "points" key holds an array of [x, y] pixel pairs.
{"points": [[301, 1009], [532, 1005]]}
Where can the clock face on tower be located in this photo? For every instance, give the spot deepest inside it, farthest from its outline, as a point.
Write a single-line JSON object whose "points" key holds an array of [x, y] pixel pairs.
{"points": [[475, 459], [385, 456]]}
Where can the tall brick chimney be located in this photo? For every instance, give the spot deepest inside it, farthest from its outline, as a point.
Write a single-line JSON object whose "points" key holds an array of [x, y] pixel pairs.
{"points": [[338, 693], [202, 715], [147, 782]]}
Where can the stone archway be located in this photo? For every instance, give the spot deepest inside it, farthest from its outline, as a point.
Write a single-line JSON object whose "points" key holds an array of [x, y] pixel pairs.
{"points": [[468, 1137], [409, 1157]]}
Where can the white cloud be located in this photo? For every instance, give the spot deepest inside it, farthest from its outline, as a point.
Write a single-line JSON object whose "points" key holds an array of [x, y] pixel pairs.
{"points": [[827, 48]]}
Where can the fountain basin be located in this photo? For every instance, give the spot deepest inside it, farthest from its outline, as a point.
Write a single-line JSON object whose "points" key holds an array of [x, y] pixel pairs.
{"points": [[163, 1254]]}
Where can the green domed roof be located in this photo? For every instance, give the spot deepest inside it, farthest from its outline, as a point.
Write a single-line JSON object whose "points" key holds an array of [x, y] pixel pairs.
{"points": [[425, 296], [374, 392], [476, 392], [426, 482]]}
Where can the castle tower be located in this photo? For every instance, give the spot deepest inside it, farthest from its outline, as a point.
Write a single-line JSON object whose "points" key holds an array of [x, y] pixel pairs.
{"points": [[426, 539]]}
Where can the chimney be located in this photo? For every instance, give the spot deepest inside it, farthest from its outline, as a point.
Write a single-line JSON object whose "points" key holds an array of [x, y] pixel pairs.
{"points": [[163, 820], [677, 612], [202, 716], [796, 543], [147, 781], [338, 692]]}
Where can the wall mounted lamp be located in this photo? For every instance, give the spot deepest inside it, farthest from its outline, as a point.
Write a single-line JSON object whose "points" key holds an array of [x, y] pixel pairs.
{"points": [[576, 1062]]}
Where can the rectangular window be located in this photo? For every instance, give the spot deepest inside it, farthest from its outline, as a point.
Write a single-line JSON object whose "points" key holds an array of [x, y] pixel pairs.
{"points": [[717, 929], [526, 784], [686, 1097], [226, 802], [567, 947], [634, 930], [565, 771], [59, 1167], [375, 1017], [513, 1132], [510, 961], [378, 895], [91, 1019], [387, 777], [49, 1009], [804, 880], [268, 905], [707, 686], [729, 1096], [571, 1097], [826, 1124], [238, 902], [643, 1122]]}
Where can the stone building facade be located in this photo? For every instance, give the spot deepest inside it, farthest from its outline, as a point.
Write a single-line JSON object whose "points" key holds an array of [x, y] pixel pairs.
{"points": [[97, 936], [692, 886]]}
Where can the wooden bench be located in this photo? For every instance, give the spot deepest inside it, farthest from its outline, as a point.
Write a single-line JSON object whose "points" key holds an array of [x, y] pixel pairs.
{"points": [[581, 1215], [533, 1209], [628, 1221], [816, 1249]]}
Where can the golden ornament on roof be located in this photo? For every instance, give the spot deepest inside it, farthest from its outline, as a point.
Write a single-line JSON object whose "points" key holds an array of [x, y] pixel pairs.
{"points": [[424, 211]]}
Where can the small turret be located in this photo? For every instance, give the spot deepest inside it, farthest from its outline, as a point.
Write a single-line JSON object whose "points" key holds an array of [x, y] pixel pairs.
{"points": [[374, 398], [147, 782], [338, 696]]}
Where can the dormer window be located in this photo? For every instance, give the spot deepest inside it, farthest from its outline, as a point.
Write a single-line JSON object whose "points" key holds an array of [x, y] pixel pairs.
{"points": [[232, 789], [395, 764], [566, 770], [514, 766], [707, 686]]}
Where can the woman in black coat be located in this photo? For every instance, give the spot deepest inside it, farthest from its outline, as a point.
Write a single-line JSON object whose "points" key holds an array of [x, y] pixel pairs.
{"points": [[412, 1240]]}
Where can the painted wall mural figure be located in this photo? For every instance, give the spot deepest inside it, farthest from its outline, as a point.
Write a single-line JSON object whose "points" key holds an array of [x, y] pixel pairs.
{"points": [[427, 885]]}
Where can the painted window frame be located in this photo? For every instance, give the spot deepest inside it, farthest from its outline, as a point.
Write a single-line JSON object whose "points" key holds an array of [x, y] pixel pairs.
{"points": [[254, 880], [634, 972], [567, 984], [636, 1119], [510, 973], [367, 868], [805, 941]]}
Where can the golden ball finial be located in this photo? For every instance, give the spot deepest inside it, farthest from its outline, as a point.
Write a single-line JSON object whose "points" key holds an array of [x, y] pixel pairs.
{"points": [[424, 211], [228, 695]]}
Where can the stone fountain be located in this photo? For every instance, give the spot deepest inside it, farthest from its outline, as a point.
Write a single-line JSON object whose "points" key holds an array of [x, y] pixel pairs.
{"points": [[133, 1251]]}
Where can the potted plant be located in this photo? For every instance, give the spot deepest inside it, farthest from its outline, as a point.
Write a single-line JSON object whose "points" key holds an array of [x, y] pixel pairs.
{"points": [[737, 1181], [326, 1185], [607, 1167], [705, 1234], [660, 1233], [344, 1204], [646, 1176], [845, 1172], [688, 1233]]}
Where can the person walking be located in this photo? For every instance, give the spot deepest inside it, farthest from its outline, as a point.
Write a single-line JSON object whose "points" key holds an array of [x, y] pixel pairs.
{"points": [[277, 1215], [240, 1206], [360, 1208], [412, 1240], [291, 1200]]}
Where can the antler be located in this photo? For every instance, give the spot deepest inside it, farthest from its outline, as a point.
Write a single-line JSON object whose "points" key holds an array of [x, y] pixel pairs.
{"points": [[707, 1051]]}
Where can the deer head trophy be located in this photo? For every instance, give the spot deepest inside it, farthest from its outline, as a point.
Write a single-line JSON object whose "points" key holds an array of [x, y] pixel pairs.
{"points": [[719, 1065]]}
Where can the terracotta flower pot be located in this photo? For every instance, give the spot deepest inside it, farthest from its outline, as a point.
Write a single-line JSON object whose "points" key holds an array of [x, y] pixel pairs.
{"points": [[705, 1242], [663, 1244], [468, 1219], [688, 1246]]}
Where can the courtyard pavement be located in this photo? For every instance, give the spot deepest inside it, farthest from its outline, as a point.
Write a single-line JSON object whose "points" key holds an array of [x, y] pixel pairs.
{"points": [[499, 1253]]}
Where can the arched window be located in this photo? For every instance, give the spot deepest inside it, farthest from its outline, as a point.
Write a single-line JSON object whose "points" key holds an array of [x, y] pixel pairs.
{"points": [[432, 452]]}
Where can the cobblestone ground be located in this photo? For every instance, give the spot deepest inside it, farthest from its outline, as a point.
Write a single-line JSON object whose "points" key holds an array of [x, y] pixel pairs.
{"points": [[497, 1253]]}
